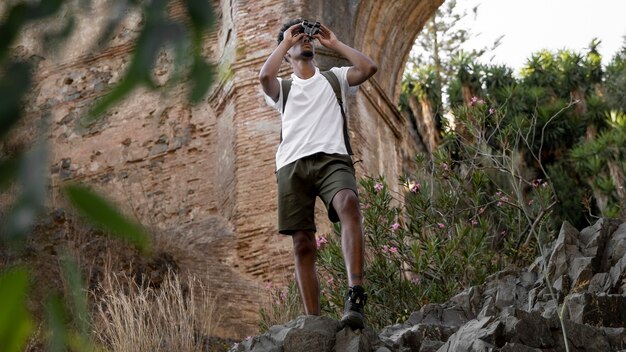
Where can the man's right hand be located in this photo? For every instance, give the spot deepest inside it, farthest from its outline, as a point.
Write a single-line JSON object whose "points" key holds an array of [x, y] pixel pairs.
{"points": [[292, 35], [270, 68]]}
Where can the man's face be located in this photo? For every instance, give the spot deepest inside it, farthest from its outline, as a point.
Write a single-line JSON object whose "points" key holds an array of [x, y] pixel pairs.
{"points": [[303, 49]]}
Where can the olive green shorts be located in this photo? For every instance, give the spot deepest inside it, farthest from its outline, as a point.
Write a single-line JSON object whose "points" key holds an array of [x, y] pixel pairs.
{"points": [[301, 181]]}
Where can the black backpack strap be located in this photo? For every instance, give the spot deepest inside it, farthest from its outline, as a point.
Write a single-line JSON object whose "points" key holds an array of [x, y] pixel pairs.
{"points": [[285, 85], [334, 82]]}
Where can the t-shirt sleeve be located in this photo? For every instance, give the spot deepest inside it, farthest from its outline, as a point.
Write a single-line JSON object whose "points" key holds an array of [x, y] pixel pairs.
{"points": [[278, 105], [342, 75]]}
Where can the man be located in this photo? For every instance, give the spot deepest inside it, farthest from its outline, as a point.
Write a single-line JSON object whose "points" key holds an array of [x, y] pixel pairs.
{"points": [[313, 159]]}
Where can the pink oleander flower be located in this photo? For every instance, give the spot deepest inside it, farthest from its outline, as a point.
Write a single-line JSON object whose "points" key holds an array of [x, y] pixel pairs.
{"points": [[474, 222], [531, 202], [268, 285], [385, 248], [330, 281], [283, 296], [395, 226], [492, 111], [415, 280], [481, 210], [378, 187], [473, 101], [321, 241], [415, 187], [499, 204], [445, 167], [393, 250], [365, 206], [441, 226]]}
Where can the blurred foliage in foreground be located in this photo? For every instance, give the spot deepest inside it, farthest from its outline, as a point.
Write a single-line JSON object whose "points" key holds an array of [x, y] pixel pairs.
{"points": [[26, 171]]}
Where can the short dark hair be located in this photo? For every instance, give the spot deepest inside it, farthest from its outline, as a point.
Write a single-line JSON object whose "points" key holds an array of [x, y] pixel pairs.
{"points": [[281, 34]]}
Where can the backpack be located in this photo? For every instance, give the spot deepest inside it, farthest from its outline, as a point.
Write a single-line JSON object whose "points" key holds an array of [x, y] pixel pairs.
{"points": [[334, 83]]}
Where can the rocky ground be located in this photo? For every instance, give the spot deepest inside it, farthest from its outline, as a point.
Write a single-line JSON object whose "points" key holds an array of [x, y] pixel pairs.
{"points": [[582, 275]]}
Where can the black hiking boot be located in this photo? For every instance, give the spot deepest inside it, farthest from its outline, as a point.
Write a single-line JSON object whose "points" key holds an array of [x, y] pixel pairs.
{"points": [[353, 315]]}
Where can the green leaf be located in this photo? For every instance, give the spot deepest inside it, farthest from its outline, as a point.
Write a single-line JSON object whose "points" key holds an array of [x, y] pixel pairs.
{"points": [[57, 322], [13, 85], [34, 186], [202, 77], [102, 214], [18, 16], [15, 322], [76, 288], [201, 13], [18, 221], [120, 91], [8, 171]]}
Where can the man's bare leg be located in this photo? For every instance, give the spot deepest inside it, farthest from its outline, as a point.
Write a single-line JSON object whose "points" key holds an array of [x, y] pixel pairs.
{"points": [[305, 252], [346, 205]]}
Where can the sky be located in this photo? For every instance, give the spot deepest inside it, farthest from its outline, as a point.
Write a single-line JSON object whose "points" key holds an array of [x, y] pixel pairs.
{"points": [[531, 25]]}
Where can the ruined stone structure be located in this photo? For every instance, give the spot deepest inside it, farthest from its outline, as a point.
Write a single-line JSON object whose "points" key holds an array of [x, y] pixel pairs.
{"points": [[204, 175]]}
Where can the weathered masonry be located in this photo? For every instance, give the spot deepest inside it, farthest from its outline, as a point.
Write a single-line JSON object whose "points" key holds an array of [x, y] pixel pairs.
{"points": [[203, 176]]}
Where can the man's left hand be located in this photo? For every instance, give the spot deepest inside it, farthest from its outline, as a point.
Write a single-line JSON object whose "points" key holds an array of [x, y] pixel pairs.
{"points": [[326, 37]]}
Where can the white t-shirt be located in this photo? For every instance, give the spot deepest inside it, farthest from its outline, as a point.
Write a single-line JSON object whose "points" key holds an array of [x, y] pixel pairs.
{"points": [[311, 122]]}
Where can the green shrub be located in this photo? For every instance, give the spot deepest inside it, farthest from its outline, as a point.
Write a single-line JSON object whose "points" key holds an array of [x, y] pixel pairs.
{"points": [[464, 215]]}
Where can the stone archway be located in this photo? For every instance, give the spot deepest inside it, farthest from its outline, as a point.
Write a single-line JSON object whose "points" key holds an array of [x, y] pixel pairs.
{"points": [[204, 175]]}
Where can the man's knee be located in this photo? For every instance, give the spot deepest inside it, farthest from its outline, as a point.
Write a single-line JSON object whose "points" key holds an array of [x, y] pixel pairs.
{"points": [[346, 203], [304, 243]]}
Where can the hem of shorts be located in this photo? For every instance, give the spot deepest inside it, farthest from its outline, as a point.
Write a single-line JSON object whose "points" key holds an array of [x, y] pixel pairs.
{"points": [[289, 232]]}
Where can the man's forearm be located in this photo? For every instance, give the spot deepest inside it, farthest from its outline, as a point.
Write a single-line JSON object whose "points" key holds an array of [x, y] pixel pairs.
{"points": [[272, 64], [363, 64], [269, 71]]}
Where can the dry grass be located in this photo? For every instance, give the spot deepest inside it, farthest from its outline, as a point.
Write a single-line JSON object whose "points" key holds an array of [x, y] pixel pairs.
{"points": [[279, 305], [179, 315]]}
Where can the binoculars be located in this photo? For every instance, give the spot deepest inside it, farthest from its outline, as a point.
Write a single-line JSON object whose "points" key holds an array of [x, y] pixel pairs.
{"points": [[309, 28]]}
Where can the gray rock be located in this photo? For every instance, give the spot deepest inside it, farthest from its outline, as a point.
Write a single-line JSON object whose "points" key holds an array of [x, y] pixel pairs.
{"points": [[348, 340], [417, 337], [383, 349], [597, 309], [600, 282], [405, 339], [450, 315], [617, 274], [616, 245], [582, 337], [310, 333], [477, 335], [430, 346], [565, 248], [617, 338], [525, 328], [516, 347], [303, 334]]}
